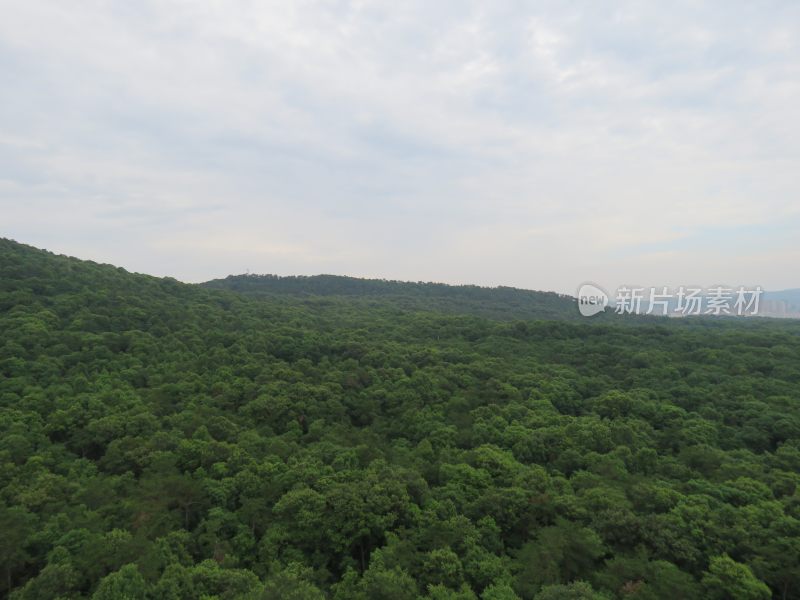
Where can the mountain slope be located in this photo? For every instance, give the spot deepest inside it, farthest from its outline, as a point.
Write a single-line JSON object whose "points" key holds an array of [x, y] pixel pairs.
{"points": [[499, 303]]}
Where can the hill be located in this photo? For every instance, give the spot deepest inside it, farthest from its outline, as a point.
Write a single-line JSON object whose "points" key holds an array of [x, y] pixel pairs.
{"points": [[165, 440], [781, 304], [497, 303]]}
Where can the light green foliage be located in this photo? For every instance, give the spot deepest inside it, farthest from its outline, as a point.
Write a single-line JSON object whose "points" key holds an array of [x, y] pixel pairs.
{"points": [[734, 581], [125, 584], [579, 590]]}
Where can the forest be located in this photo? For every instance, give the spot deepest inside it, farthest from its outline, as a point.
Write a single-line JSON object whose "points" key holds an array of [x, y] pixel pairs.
{"points": [[258, 438]]}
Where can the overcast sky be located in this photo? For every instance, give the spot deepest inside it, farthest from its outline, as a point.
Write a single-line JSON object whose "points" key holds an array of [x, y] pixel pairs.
{"points": [[534, 144]]}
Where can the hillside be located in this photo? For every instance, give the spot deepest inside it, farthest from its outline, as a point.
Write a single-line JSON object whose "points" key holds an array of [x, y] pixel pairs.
{"points": [[497, 303], [160, 440]]}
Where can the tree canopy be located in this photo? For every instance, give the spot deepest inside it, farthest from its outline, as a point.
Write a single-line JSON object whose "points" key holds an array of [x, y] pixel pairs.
{"points": [[160, 440]]}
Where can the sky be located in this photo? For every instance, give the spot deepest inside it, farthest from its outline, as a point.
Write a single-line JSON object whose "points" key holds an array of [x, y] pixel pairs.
{"points": [[532, 144]]}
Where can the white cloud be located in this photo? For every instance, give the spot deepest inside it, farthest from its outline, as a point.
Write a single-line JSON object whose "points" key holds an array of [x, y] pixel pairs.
{"points": [[456, 141]]}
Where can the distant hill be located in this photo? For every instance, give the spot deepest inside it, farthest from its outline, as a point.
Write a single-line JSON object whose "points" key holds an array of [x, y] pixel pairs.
{"points": [[505, 303], [781, 304]]}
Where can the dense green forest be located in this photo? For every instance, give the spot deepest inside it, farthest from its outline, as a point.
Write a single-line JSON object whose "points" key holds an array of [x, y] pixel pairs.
{"points": [[160, 440]]}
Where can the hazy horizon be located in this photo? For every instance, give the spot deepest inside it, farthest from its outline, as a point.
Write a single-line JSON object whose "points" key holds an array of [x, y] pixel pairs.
{"points": [[465, 143]]}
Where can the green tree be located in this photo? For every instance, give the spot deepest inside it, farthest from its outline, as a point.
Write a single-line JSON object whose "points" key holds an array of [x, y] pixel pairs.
{"points": [[125, 584], [729, 580]]}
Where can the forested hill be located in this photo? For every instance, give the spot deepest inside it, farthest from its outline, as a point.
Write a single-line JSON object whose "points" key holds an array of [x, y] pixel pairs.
{"points": [[162, 441], [497, 303]]}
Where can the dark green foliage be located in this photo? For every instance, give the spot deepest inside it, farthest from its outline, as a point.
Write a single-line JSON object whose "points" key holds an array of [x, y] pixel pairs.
{"points": [[501, 302], [162, 440]]}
